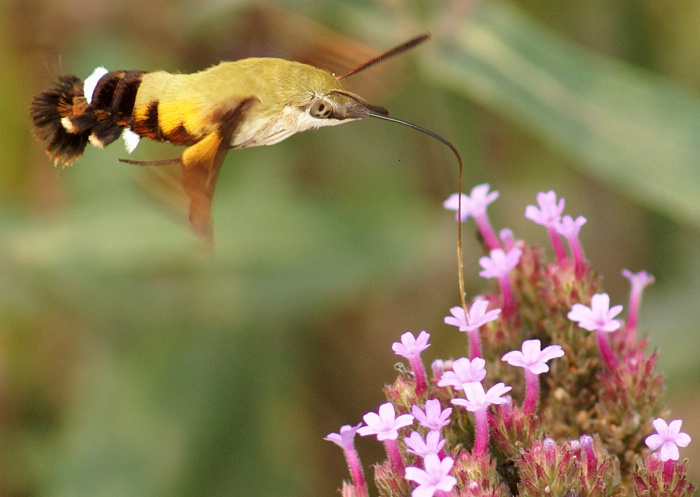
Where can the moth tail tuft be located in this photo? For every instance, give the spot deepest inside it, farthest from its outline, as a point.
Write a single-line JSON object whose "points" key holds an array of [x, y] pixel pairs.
{"points": [[63, 118]]}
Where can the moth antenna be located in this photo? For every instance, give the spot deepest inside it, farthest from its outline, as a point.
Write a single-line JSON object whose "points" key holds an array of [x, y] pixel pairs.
{"points": [[386, 55], [460, 263]]}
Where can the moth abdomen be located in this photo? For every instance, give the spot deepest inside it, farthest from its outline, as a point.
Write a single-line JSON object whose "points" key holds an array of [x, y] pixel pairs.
{"points": [[147, 121], [73, 113]]}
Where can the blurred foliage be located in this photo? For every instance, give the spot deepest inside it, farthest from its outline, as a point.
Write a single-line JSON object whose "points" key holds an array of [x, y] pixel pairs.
{"points": [[133, 364]]}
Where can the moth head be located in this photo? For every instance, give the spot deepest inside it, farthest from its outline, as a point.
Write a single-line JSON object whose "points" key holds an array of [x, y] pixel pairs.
{"points": [[339, 104]]}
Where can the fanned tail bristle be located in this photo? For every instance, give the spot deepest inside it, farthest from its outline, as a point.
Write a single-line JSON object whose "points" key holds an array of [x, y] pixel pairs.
{"points": [[50, 107], [68, 119]]}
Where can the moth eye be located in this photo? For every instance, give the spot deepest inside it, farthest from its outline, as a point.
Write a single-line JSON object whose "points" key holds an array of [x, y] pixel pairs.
{"points": [[320, 109]]}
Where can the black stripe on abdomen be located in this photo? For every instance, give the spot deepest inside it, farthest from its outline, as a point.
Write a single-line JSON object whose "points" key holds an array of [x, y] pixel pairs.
{"points": [[113, 103], [149, 127]]}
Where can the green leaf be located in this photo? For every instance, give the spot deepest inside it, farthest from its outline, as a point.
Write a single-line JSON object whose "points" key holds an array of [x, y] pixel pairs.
{"points": [[633, 130]]}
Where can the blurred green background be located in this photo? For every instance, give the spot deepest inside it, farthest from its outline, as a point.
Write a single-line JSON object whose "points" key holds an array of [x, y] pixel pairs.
{"points": [[133, 365]]}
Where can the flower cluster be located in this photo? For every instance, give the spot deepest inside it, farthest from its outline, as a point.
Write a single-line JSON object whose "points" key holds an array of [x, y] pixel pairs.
{"points": [[586, 413]]}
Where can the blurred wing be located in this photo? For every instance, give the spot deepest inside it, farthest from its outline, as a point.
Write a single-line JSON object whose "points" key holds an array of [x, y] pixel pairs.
{"points": [[266, 30], [200, 164]]}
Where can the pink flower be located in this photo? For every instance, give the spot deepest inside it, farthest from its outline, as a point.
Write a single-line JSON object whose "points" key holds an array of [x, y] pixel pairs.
{"points": [[548, 214], [410, 347], [472, 321], [668, 438], [384, 425], [434, 418], [477, 399], [432, 444], [549, 211], [475, 205], [345, 439], [637, 281], [478, 402], [498, 266], [463, 371], [475, 318], [457, 202], [499, 263], [434, 478], [599, 316], [569, 229], [532, 358]]}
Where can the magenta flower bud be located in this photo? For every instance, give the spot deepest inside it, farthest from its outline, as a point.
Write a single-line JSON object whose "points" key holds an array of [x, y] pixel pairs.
{"points": [[653, 477]]}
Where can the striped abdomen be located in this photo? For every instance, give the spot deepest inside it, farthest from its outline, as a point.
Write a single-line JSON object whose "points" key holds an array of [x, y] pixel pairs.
{"points": [[102, 109], [112, 104]]}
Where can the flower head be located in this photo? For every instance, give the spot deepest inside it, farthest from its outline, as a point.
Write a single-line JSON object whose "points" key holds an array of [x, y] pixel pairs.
{"points": [[532, 358], [434, 418], [436, 476], [599, 316], [668, 438], [385, 424]]}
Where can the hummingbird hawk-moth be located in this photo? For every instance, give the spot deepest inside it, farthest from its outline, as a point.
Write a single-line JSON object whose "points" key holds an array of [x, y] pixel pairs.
{"points": [[233, 105]]}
